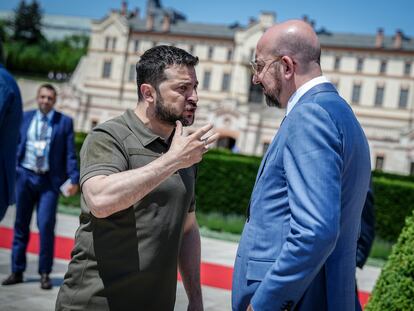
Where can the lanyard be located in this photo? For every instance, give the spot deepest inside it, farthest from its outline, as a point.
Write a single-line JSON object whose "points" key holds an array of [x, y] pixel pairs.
{"points": [[40, 145]]}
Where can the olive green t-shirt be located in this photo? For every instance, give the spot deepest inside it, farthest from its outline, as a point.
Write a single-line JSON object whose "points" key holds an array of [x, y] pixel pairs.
{"points": [[128, 261]]}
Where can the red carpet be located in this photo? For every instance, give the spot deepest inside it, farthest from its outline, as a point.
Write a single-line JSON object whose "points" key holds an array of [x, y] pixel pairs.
{"points": [[213, 275]]}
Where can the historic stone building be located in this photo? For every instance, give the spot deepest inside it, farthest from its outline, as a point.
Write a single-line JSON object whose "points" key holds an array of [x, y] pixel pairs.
{"points": [[372, 72]]}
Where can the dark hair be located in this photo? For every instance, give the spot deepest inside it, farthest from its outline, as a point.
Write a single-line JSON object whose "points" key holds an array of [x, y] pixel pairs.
{"points": [[48, 86], [150, 68]]}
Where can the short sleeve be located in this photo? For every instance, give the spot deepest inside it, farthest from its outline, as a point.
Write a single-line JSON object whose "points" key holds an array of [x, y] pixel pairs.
{"points": [[101, 154]]}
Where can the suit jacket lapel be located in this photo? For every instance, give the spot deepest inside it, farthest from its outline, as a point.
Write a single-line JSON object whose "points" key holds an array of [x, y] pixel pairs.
{"points": [[55, 124], [263, 164]]}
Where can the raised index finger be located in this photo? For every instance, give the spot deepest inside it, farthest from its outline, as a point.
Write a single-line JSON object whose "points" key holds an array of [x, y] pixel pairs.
{"points": [[201, 131]]}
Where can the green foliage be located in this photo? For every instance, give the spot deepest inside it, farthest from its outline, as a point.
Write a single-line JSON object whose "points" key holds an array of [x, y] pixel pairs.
{"points": [[394, 289], [380, 249], [27, 23], [3, 32], [79, 139], [394, 201], [225, 183], [222, 223], [70, 202], [409, 178], [57, 56]]}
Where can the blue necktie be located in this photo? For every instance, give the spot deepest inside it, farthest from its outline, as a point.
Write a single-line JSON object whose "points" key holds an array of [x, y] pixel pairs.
{"points": [[40, 160]]}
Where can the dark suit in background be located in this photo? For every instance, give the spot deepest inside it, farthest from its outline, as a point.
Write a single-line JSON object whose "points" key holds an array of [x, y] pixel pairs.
{"points": [[46, 158], [367, 235], [10, 119], [42, 189]]}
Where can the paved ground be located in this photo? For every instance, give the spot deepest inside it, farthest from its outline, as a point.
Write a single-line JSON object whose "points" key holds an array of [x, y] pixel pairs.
{"points": [[29, 296]]}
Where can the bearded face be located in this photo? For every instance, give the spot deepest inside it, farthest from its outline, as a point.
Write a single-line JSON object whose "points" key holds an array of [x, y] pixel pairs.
{"points": [[169, 114], [272, 93]]}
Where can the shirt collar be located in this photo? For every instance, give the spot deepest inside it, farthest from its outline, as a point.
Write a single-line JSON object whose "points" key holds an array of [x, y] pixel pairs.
{"points": [[302, 90], [144, 134], [49, 115]]}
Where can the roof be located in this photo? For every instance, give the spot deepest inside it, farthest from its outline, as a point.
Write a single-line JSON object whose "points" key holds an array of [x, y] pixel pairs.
{"points": [[345, 40], [182, 27], [349, 40]]}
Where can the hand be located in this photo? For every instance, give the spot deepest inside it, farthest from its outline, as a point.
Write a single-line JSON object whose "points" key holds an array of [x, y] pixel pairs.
{"points": [[250, 308], [188, 150], [72, 189]]}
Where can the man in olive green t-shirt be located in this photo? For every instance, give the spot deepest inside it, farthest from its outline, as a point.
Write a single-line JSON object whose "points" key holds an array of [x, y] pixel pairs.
{"points": [[138, 203]]}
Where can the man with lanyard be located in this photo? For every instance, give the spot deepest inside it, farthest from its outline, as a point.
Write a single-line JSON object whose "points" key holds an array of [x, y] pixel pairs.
{"points": [[45, 160]]}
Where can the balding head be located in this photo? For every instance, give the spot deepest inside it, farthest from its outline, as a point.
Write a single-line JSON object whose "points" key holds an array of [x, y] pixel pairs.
{"points": [[287, 56], [294, 38]]}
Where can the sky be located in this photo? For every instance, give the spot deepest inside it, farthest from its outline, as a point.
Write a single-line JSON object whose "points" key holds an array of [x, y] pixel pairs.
{"points": [[351, 16]]}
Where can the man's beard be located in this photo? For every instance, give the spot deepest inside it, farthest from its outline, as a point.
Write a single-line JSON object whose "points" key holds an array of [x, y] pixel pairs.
{"points": [[272, 101], [167, 114], [271, 97]]}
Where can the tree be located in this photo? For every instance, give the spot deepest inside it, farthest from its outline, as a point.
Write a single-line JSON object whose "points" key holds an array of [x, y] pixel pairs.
{"points": [[28, 22]]}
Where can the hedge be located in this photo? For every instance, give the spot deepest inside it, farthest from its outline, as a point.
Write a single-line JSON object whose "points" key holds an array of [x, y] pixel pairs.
{"points": [[394, 289], [225, 182], [409, 178], [394, 201]]}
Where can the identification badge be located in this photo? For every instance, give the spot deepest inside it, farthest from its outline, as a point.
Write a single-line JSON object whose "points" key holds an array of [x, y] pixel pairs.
{"points": [[40, 146]]}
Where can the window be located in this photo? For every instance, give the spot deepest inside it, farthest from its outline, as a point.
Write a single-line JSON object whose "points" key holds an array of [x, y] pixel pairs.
{"points": [[360, 64], [113, 44], [255, 93], [229, 54], [106, 72], [136, 45], [131, 74], [210, 52], [383, 66], [379, 96], [225, 83], [110, 42], [379, 162], [107, 40], [403, 99], [356, 93], [337, 63], [412, 168], [407, 68], [206, 80], [226, 142]]}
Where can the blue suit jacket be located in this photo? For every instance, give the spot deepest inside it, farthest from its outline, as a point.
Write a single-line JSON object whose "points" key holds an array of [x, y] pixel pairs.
{"points": [[298, 247], [62, 155], [10, 119]]}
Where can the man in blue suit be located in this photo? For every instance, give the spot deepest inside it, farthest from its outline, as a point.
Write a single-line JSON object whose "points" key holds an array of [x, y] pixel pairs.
{"points": [[45, 160], [298, 246], [10, 119]]}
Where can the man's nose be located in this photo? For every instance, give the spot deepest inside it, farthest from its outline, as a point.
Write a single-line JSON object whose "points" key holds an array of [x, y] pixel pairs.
{"points": [[194, 96]]}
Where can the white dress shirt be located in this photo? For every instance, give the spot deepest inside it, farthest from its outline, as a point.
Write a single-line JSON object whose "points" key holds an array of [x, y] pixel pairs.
{"points": [[302, 90]]}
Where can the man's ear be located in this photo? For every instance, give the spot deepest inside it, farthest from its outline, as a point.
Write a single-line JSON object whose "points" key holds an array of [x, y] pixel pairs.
{"points": [[288, 65], [148, 92]]}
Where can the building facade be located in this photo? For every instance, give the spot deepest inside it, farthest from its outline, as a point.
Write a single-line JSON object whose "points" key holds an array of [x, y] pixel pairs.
{"points": [[372, 72]]}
